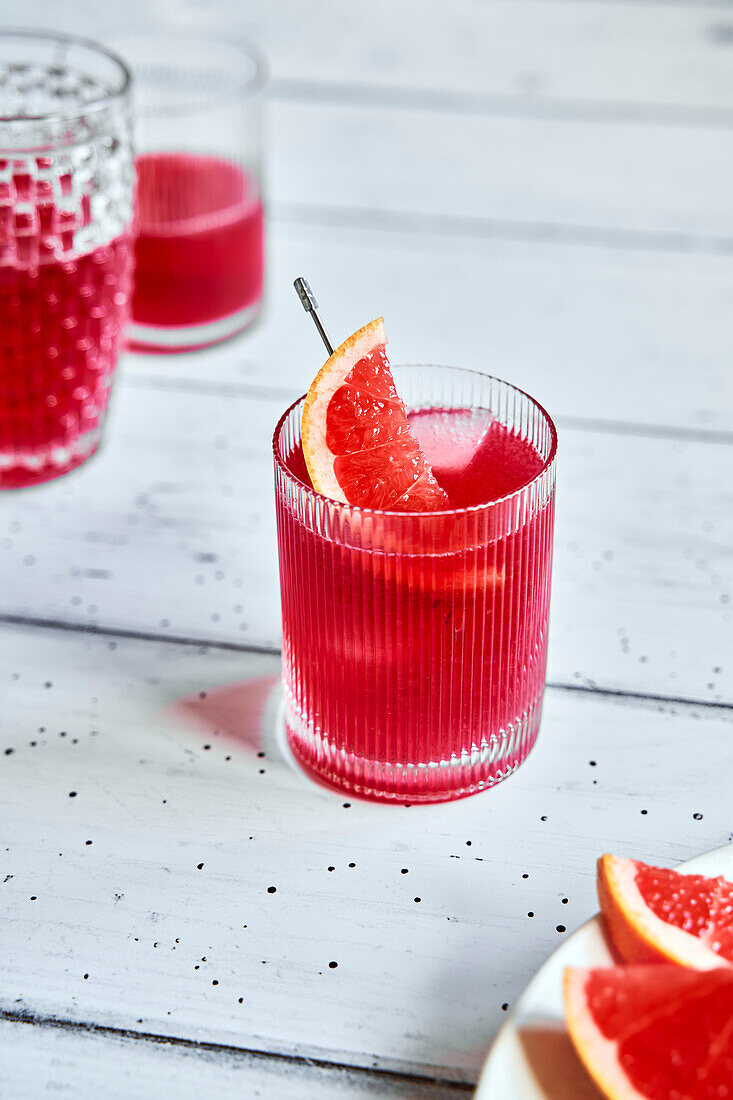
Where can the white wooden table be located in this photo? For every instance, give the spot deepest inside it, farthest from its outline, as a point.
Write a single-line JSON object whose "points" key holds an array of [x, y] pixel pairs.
{"points": [[540, 188]]}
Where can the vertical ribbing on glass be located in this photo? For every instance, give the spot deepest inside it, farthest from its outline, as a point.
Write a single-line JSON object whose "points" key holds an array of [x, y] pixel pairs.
{"points": [[414, 645]]}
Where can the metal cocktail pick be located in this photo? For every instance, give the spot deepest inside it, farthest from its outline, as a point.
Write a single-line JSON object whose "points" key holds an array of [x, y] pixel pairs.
{"points": [[310, 305]]}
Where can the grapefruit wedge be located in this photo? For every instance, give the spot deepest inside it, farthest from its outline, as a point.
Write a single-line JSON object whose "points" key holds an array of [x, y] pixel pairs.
{"points": [[357, 442], [653, 1032], [653, 914]]}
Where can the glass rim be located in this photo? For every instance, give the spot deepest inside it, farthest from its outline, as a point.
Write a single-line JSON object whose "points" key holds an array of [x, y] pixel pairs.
{"points": [[245, 89], [96, 104], [465, 510]]}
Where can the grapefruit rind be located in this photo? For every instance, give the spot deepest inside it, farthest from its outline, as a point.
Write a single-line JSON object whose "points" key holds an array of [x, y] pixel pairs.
{"points": [[598, 1054], [330, 378], [636, 932]]}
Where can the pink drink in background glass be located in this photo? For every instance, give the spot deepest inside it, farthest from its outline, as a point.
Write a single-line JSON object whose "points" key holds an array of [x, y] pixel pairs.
{"points": [[414, 646], [65, 248], [199, 252], [60, 327], [199, 247]]}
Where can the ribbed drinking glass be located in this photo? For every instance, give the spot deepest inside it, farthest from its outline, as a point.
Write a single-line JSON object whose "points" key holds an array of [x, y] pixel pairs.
{"points": [[414, 645]]}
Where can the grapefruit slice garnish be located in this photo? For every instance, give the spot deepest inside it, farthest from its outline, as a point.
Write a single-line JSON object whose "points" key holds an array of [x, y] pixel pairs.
{"points": [[653, 1032], [356, 438], [653, 914]]}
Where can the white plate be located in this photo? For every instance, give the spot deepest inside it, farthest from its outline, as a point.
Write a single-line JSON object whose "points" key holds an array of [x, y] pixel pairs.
{"points": [[532, 1058]]}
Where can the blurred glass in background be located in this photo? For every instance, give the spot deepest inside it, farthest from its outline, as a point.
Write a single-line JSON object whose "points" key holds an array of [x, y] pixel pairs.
{"points": [[199, 220], [66, 186]]}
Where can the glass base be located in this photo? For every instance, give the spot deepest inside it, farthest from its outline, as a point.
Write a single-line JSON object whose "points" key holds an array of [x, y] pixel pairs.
{"points": [[499, 755], [164, 338], [22, 469]]}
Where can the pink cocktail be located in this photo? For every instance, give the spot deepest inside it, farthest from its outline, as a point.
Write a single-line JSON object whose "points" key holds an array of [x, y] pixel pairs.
{"points": [[65, 248], [414, 645], [61, 319], [199, 252]]}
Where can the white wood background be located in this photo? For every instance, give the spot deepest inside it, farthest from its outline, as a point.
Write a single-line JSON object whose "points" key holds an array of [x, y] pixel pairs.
{"points": [[540, 188]]}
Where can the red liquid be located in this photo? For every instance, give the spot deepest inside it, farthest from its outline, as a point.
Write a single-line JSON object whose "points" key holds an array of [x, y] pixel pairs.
{"points": [[60, 321], [199, 247], [433, 653]]}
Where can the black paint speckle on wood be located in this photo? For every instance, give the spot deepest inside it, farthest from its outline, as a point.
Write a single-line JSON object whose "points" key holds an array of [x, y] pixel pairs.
{"points": [[86, 977], [525, 875], [504, 1007], [262, 771], [207, 747], [404, 871], [543, 818], [272, 889], [347, 805], [644, 812], [87, 842], [202, 695], [560, 928], [72, 794], [199, 866], [333, 965], [261, 755], [565, 901], [241, 1000], [352, 865], [417, 899], [697, 817], [530, 914], [592, 763], [215, 982], [331, 868], [34, 897], [9, 752]]}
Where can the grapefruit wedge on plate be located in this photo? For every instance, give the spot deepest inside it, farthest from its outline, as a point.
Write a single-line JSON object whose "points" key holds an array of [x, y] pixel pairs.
{"points": [[653, 1032], [653, 914], [356, 438]]}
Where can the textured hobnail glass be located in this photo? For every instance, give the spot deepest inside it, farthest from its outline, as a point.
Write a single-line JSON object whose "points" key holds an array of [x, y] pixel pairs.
{"points": [[199, 223], [414, 645], [66, 183]]}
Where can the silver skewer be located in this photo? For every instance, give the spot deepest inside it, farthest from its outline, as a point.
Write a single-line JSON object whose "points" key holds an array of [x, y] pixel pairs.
{"points": [[310, 305]]}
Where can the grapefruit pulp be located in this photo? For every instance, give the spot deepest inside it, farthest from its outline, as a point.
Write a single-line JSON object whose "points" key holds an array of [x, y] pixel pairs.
{"points": [[653, 914], [357, 442], [654, 1032]]}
